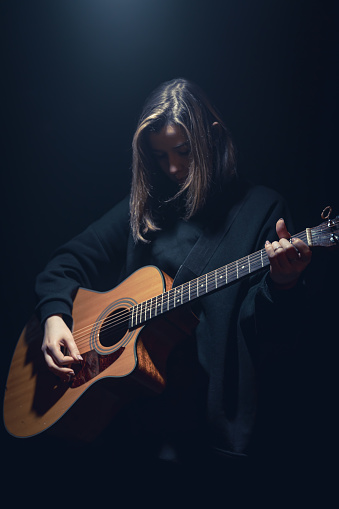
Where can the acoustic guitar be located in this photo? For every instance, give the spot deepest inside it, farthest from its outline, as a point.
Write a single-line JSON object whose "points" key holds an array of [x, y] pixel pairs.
{"points": [[125, 336]]}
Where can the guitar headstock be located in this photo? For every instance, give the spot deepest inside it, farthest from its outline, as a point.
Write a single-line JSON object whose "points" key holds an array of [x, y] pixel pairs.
{"points": [[324, 235]]}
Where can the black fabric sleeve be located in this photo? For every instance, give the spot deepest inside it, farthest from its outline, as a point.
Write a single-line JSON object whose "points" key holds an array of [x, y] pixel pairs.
{"points": [[265, 310], [92, 260]]}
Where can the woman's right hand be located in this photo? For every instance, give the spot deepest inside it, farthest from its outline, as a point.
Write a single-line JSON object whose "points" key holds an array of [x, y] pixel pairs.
{"points": [[56, 337]]}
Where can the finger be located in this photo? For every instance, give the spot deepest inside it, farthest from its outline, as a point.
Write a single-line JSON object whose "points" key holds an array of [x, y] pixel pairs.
{"points": [[281, 255], [283, 272], [66, 351], [73, 350], [290, 251], [281, 229], [273, 249], [304, 252], [58, 357], [270, 249], [279, 249], [61, 371]]}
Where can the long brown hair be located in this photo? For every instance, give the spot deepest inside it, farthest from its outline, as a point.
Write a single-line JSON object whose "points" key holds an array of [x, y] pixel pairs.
{"points": [[212, 158]]}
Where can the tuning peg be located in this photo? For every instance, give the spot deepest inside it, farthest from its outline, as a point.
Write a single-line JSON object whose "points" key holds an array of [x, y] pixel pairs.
{"points": [[327, 209]]}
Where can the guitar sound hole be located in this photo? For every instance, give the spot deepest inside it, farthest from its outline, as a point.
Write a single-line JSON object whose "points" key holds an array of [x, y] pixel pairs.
{"points": [[114, 327]]}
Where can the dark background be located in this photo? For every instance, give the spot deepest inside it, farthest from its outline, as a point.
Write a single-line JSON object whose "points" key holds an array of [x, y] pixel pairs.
{"points": [[76, 72]]}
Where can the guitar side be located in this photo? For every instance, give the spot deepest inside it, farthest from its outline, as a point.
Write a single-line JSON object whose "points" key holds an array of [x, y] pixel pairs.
{"points": [[35, 399]]}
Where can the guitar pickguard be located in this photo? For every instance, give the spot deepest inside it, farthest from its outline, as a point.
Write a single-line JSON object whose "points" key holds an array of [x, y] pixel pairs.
{"points": [[92, 365]]}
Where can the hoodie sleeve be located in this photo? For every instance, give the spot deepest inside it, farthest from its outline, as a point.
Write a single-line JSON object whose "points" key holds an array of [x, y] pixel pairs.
{"points": [[92, 260]]}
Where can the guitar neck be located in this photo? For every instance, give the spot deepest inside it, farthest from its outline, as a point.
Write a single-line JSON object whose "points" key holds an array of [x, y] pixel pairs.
{"points": [[202, 285]]}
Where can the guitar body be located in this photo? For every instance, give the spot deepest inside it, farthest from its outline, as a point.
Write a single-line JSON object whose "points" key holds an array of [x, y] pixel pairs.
{"points": [[125, 361]]}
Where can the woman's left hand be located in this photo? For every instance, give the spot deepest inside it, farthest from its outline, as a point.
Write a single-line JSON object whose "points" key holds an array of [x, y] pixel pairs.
{"points": [[288, 257]]}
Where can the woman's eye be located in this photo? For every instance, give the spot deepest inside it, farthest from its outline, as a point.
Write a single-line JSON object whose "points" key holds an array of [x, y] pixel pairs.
{"points": [[159, 155]]}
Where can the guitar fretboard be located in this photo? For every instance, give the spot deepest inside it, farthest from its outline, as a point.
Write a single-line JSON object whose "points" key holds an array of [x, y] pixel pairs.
{"points": [[200, 286]]}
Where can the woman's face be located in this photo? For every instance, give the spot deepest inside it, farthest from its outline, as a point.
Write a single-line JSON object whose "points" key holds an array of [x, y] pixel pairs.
{"points": [[171, 150]]}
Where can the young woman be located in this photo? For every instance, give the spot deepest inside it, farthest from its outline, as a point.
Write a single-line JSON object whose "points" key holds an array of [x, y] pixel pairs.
{"points": [[185, 188]]}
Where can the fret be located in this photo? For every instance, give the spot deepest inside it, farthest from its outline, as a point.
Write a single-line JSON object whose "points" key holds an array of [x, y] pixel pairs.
{"points": [[232, 272], [144, 308], [202, 288], [177, 296], [132, 317], [139, 313], [206, 284], [148, 310], [221, 277], [243, 268], [166, 302], [186, 293], [174, 298], [171, 300], [159, 304], [209, 283], [195, 288], [135, 321], [153, 308]]}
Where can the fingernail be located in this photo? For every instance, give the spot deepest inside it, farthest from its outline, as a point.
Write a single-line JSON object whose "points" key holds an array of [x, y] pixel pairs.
{"points": [[79, 358], [267, 242], [68, 377]]}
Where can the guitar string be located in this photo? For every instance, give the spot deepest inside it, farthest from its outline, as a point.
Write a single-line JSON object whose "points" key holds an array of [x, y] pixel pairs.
{"points": [[231, 269], [209, 277], [121, 318]]}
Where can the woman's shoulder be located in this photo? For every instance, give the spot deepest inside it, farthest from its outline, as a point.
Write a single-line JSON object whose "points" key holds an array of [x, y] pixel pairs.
{"points": [[265, 192], [118, 213], [241, 194], [113, 224], [257, 194]]}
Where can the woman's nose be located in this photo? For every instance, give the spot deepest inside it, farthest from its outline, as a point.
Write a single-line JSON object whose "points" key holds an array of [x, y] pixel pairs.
{"points": [[173, 166]]}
